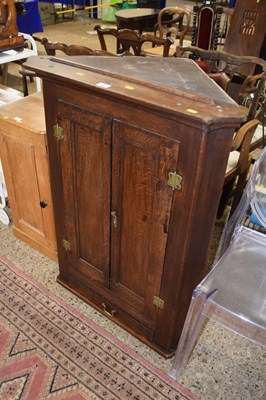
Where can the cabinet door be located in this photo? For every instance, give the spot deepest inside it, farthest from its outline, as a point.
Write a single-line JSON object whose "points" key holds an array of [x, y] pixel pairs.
{"points": [[141, 207], [26, 172], [85, 160]]}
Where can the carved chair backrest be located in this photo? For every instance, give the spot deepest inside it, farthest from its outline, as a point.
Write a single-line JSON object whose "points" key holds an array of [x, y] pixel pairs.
{"points": [[174, 22], [247, 32], [206, 26], [51, 48], [129, 40], [226, 70]]}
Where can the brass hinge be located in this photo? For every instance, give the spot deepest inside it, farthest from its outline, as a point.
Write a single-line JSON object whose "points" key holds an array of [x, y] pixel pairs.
{"points": [[66, 245], [174, 181], [58, 132], [158, 302]]}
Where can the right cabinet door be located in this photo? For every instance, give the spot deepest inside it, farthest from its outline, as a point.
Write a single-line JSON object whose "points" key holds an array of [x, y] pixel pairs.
{"points": [[141, 212]]}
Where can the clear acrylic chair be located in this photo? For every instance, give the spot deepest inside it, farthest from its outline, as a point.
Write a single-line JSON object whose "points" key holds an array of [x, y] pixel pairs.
{"points": [[234, 292]]}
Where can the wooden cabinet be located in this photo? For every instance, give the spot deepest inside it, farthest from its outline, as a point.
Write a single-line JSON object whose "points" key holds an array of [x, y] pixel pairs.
{"points": [[23, 151], [137, 170]]}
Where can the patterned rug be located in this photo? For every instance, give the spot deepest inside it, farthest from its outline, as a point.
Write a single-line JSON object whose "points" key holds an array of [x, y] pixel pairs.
{"points": [[50, 351]]}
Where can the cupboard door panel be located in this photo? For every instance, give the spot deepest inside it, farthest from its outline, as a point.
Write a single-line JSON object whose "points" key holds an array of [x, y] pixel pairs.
{"points": [[85, 158], [20, 158], [142, 203]]}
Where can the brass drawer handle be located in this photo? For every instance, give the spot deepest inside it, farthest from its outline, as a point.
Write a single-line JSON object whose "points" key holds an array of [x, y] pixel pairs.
{"points": [[110, 314]]}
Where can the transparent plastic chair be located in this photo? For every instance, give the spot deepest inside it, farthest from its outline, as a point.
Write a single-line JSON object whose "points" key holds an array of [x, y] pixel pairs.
{"points": [[234, 292]]}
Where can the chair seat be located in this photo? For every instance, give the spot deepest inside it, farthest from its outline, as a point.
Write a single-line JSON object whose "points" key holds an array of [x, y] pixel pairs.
{"points": [[158, 50], [234, 278], [234, 155], [233, 160], [258, 134]]}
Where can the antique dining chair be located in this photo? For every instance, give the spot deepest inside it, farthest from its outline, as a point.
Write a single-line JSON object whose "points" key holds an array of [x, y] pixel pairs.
{"points": [[248, 92], [172, 22], [247, 33], [206, 22], [233, 292], [52, 48], [238, 165], [227, 70], [56, 48], [128, 40]]}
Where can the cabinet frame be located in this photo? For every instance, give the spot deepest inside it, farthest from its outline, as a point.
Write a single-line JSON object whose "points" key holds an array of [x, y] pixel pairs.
{"points": [[204, 144]]}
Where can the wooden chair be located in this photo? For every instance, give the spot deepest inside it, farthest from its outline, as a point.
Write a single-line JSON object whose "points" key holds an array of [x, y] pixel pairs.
{"points": [[52, 49], [206, 23], [172, 22], [247, 33], [237, 167], [226, 69], [129, 40]]}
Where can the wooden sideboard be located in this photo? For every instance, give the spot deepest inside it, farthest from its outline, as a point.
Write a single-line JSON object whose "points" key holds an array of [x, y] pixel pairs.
{"points": [[138, 149]]}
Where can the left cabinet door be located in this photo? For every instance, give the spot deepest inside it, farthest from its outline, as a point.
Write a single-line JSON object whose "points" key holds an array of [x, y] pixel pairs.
{"points": [[85, 162], [25, 164]]}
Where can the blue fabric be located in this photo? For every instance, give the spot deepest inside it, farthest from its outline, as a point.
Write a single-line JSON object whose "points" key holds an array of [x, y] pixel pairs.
{"points": [[254, 220], [232, 3], [30, 22]]}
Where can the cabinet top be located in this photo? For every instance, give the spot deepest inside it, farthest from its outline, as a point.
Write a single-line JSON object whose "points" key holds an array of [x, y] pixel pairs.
{"points": [[174, 83]]}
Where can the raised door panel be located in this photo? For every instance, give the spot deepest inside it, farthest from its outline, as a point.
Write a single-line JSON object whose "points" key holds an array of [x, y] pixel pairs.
{"points": [[85, 160], [142, 202], [27, 179]]}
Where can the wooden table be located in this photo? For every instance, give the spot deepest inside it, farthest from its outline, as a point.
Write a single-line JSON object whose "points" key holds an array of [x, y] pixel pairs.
{"points": [[137, 18]]}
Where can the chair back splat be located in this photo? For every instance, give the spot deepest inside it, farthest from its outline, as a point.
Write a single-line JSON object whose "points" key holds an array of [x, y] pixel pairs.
{"points": [[228, 71], [174, 22], [55, 48], [206, 25], [128, 40]]}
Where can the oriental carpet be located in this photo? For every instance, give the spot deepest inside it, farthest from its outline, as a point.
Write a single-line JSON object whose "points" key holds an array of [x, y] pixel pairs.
{"points": [[50, 351]]}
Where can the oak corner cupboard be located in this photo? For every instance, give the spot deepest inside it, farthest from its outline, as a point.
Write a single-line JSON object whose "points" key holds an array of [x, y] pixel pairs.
{"points": [[138, 149]]}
